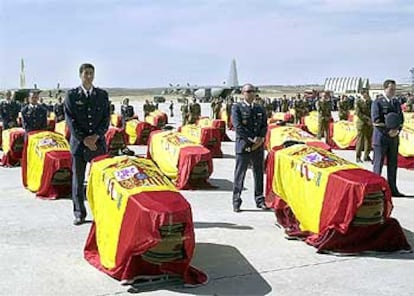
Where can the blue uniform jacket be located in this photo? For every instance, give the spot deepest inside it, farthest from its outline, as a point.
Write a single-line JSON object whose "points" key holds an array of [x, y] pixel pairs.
{"points": [[379, 109], [86, 116], [34, 118], [248, 123]]}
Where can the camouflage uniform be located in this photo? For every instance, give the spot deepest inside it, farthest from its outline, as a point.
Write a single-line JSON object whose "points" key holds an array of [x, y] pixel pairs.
{"points": [[195, 112], [364, 128], [184, 113], [299, 107], [284, 105], [324, 117], [343, 107], [269, 108]]}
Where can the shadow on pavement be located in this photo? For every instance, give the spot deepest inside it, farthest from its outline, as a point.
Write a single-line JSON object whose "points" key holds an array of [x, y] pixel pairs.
{"points": [[221, 225], [229, 274]]}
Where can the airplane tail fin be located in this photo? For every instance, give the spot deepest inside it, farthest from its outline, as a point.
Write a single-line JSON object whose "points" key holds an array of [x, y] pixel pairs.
{"points": [[232, 80]]}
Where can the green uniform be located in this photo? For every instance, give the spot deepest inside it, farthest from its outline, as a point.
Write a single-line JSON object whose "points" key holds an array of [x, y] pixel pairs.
{"points": [[364, 128], [299, 107], [216, 110], [343, 108], [324, 117], [184, 113], [269, 109], [284, 105], [194, 113]]}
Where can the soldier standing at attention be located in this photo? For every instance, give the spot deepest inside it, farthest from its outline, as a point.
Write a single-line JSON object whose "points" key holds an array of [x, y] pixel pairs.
{"points": [[195, 112], [343, 107], [387, 119], [127, 112], [364, 126], [250, 123], [299, 107], [284, 104], [87, 114], [184, 112], [34, 115], [9, 111], [58, 110], [324, 115], [217, 109]]}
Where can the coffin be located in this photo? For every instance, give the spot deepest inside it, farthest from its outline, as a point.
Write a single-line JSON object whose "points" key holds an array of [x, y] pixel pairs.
{"points": [[116, 120], [331, 203], [115, 139], [311, 122], [277, 136], [138, 132], [208, 137], [342, 135], [409, 120], [226, 117], [47, 165], [216, 123], [62, 128], [12, 146], [142, 226], [187, 163], [157, 118], [406, 148], [281, 116]]}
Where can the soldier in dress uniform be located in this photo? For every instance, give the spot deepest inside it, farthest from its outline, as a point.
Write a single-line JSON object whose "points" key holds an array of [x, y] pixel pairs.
{"points": [[324, 115], [387, 119], [127, 112], [364, 126], [194, 112], [9, 111], [343, 108], [250, 123], [58, 110], [34, 115], [87, 114]]}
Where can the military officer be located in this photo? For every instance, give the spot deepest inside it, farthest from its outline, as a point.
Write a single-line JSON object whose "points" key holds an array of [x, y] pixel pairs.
{"points": [[87, 114], [364, 126], [34, 115], [284, 104], [9, 111], [324, 115], [343, 108], [387, 119], [127, 112], [194, 112], [250, 123], [58, 110]]}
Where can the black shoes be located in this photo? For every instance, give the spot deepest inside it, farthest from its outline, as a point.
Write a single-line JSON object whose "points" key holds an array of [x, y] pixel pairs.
{"points": [[367, 158], [262, 206], [78, 221], [358, 160], [398, 194], [236, 209]]}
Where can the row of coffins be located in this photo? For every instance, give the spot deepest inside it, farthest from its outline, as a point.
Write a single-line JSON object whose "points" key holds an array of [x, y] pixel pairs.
{"points": [[156, 118], [325, 200], [142, 225]]}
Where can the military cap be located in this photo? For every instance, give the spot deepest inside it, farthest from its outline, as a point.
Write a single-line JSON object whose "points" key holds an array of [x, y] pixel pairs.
{"points": [[392, 120]]}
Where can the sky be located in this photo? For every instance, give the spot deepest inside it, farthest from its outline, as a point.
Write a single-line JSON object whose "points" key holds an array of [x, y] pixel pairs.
{"points": [[141, 44]]}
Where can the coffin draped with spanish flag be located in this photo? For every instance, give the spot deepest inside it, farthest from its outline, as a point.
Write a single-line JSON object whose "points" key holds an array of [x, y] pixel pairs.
{"points": [[216, 123], [187, 163], [115, 139], [226, 117], [157, 118], [138, 131], [142, 225], [406, 148], [208, 137], [47, 165], [280, 116], [62, 128], [409, 120], [311, 122], [116, 120], [342, 134], [277, 136], [332, 203], [12, 146]]}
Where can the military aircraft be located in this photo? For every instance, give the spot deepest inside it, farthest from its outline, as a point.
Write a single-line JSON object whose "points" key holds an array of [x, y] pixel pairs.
{"points": [[206, 93]]}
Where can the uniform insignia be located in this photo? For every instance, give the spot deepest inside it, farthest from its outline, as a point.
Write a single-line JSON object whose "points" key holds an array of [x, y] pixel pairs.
{"points": [[244, 122], [79, 103]]}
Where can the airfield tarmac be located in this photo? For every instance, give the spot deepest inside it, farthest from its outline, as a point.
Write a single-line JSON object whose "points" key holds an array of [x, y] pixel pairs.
{"points": [[41, 252]]}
